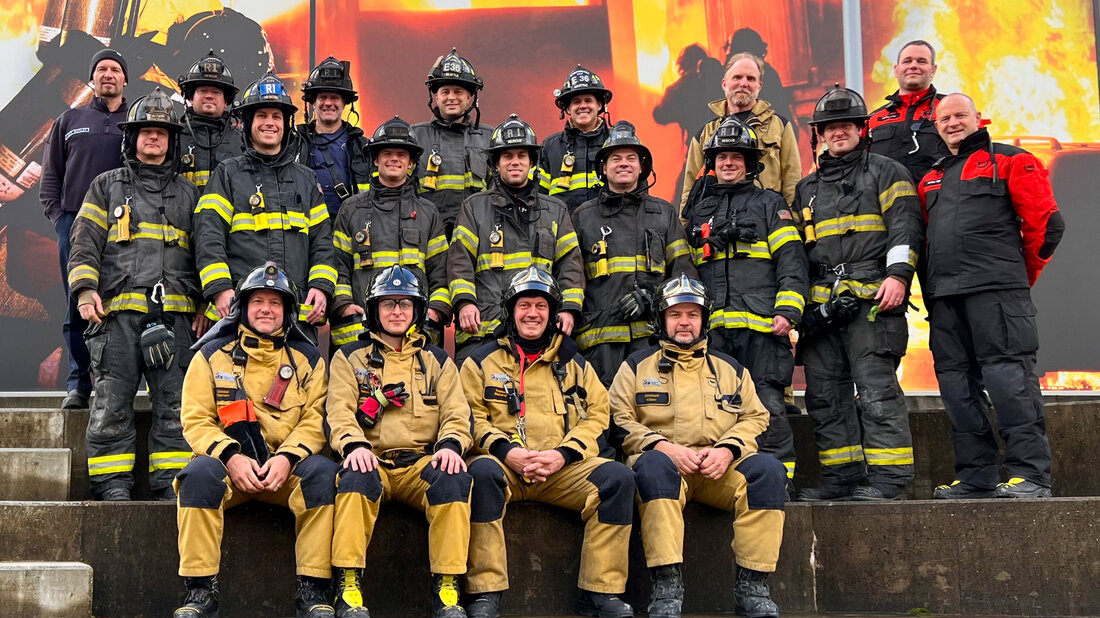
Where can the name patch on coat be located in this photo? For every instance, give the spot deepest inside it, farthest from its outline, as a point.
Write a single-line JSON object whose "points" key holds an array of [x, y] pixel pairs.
{"points": [[651, 399], [495, 393]]}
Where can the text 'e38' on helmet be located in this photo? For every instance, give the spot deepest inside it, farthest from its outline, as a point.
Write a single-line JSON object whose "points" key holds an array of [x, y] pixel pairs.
{"points": [[531, 281], [582, 81], [623, 135], [331, 75], [453, 69], [210, 70], [839, 104], [394, 133]]}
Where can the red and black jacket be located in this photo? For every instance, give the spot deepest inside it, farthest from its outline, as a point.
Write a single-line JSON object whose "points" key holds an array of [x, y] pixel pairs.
{"points": [[992, 220], [905, 130]]}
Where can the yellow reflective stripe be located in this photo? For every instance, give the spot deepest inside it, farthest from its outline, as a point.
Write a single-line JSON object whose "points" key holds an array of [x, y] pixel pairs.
{"points": [[573, 295], [781, 237], [912, 258], [198, 178], [850, 223], [342, 241], [619, 333], [77, 273], [343, 289], [178, 303], [842, 455], [741, 250], [461, 286], [322, 271], [544, 178], [621, 264], [723, 318], [412, 256], [822, 293], [579, 180], [216, 203], [130, 301], [675, 249], [437, 245], [565, 244], [108, 464], [169, 460], [318, 214], [901, 188], [364, 187], [889, 456], [467, 238], [787, 298], [512, 261], [270, 221], [789, 465], [454, 182], [155, 231], [211, 312], [486, 329], [216, 271], [346, 334], [93, 213], [441, 295]]}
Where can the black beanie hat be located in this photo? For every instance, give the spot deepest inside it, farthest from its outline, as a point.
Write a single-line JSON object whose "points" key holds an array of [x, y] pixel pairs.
{"points": [[108, 54]]}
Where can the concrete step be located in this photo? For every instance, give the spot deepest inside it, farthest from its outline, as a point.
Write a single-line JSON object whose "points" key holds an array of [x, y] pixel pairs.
{"points": [[35, 473], [45, 589], [971, 558]]}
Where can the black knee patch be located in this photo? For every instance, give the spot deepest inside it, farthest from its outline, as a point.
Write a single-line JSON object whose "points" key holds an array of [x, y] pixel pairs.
{"points": [[487, 497], [202, 484], [318, 479], [446, 488], [657, 477], [367, 483], [767, 481], [615, 484]]}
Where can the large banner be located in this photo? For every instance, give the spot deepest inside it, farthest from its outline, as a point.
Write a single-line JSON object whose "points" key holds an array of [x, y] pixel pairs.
{"points": [[1031, 67]]}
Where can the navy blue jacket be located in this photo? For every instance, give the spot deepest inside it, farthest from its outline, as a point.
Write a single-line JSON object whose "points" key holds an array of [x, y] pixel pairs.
{"points": [[83, 143]]}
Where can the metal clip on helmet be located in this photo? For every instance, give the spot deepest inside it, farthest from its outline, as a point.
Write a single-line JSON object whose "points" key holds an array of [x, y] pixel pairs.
{"points": [[331, 75], [682, 289], [152, 110], [734, 135], [211, 70], [453, 69], [623, 135], [513, 133], [267, 277], [581, 81], [839, 104], [395, 280], [394, 133], [532, 280]]}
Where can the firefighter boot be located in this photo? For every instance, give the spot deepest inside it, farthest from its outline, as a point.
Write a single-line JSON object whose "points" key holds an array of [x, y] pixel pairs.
{"points": [[827, 491], [445, 597], [349, 597], [202, 598], [484, 605], [312, 598], [668, 591], [602, 605], [751, 596]]}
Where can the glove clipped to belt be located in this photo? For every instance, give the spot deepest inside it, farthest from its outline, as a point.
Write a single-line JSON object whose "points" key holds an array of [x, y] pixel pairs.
{"points": [[158, 344], [377, 400], [239, 420], [727, 233], [636, 304], [831, 314]]}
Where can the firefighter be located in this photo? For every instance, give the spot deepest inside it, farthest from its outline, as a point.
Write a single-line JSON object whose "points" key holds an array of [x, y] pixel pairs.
{"points": [[133, 279], [387, 225], [262, 206], [568, 169], [751, 259], [860, 219], [532, 368], [209, 134], [331, 146], [504, 230], [632, 242], [782, 163], [992, 227], [453, 165], [253, 413], [690, 420], [904, 128], [400, 420]]}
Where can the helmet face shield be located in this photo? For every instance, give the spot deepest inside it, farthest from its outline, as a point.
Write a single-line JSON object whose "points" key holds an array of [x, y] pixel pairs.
{"points": [[531, 281], [395, 280], [682, 289]]}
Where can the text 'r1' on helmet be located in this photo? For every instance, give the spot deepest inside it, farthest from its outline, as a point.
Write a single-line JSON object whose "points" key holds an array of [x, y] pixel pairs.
{"points": [[582, 81], [331, 75], [531, 281], [839, 104], [394, 133], [268, 91], [513, 133], [623, 135], [395, 280], [210, 70], [268, 277], [453, 69], [733, 135]]}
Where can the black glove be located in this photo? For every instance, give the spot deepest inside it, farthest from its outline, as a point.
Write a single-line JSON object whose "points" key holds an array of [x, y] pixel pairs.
{"points": [[722, 233], [247, 434], [635, 305], [158, 345], [746, 232], [833, 313]]}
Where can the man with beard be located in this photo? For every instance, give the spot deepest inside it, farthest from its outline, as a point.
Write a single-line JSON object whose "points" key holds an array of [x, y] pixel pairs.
{"points": [[209, 135]]}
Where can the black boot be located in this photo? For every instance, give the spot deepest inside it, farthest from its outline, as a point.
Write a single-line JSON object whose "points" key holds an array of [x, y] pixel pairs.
{"points": [[312, 598], [827, 491], [602, 605], [667, 597], [751, 596], [445, 593], [484, 605], [349, 597], [202, 598]]}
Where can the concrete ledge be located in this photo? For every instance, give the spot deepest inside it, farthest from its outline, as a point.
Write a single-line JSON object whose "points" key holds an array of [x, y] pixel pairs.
{"points": [[45, 589], [34, 473]]}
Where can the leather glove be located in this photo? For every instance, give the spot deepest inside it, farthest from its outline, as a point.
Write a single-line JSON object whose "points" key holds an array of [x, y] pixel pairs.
{"points": [[746, 232], [832, 313], [379, 398], [721, 235], [158, 345], [635, 305]]}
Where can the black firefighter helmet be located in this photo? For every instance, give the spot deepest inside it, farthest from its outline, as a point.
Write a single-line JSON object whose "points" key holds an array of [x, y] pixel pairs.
{"points": [[268, 91], [736, 136], [582, 81], [513, 133], [839, 104], [623, 135], [331, 75], [210, 70], [394, 133], [152, 110], [267, 277], [455, 70], [395, 280]]}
